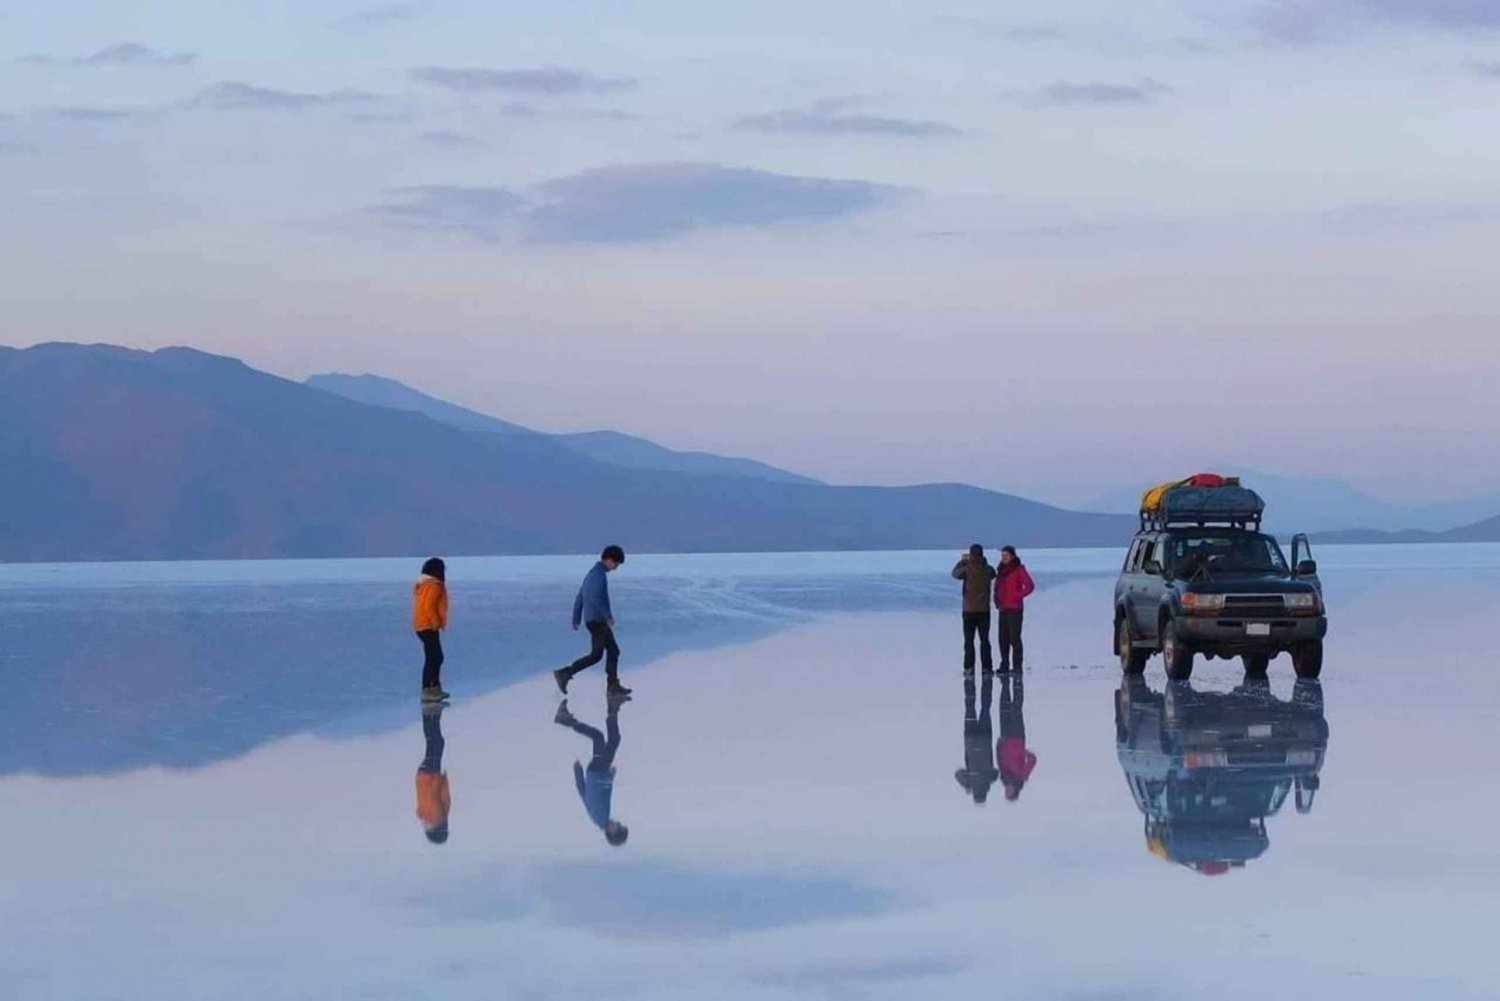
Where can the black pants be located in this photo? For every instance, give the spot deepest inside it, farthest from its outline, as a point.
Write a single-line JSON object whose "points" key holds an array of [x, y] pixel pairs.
{"points": [[1011, 651], [432, 657], [603, 648], [605, 746], [977, 622], [432, 733]]}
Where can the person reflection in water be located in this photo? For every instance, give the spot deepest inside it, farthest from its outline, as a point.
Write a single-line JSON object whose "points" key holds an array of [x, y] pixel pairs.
{"points": [[596, 782], [1015, 760], [433, 797], [978, 773]]}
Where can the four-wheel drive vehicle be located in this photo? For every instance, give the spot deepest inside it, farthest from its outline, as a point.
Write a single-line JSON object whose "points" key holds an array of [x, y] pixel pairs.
{"points": [[1207, 768], [1201, 578]]}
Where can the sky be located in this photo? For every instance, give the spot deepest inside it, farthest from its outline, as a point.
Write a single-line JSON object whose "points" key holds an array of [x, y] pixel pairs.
{"points": [[1049, 249]]}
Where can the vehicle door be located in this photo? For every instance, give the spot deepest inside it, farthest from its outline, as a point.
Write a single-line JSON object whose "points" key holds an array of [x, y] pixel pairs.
{"points": [[1150, 586], [1304, 567], [1125, 587]]}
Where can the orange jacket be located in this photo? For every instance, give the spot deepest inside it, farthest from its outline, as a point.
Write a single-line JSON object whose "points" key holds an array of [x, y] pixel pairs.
{"points": [[429, 605], [433, 799]]}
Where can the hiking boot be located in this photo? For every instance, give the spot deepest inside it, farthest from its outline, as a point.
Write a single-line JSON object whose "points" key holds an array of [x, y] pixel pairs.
{"points": [[968, 672], [563, 717], [617, 691], [433, 694], [562, 677]]}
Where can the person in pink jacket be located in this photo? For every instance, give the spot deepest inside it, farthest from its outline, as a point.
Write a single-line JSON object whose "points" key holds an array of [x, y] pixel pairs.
{"points": [[1015, 759], [1012, 584]]}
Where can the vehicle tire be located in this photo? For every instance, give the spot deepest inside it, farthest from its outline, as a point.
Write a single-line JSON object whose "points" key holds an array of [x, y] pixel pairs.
{"points": [[1175, 652], [1132, 660], [1307, 659], [1256, 664]]}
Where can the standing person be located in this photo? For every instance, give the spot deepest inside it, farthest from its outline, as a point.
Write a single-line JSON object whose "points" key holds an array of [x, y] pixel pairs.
{"points": [[429, 616], [1012, 584], [434, 800], [596, 783], [591, 608], [1015, 760], [976, 573]]}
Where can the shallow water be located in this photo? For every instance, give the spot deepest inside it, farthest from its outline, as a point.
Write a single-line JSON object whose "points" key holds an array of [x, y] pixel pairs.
{"points": [[208, 773]]}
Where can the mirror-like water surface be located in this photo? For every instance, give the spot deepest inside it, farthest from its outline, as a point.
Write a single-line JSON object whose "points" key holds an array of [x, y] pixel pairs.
{"points": [[219, 784]]}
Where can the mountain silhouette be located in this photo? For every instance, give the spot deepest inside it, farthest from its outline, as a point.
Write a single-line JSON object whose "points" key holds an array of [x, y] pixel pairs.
{"points": [[114, 453]]}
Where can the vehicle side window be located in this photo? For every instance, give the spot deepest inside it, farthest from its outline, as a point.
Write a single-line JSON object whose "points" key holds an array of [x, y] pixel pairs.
{"points": [[1133, 557], [1154, 551]]}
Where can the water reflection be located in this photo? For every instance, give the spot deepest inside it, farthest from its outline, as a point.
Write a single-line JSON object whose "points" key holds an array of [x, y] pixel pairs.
{"points": [[1015, 759], [434, 799], [596, 781], [1207, 768], [978, 772]]}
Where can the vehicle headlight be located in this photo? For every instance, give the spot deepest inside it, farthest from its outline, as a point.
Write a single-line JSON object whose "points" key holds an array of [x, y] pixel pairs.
{"points": [[1304, 603], [1202, 604]]}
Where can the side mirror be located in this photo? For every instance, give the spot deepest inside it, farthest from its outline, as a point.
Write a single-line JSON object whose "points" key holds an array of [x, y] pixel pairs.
{"points": [[1151, 567], [1307, 568]]}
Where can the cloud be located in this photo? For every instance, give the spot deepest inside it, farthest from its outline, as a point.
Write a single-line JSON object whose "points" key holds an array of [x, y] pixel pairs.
{"points": [[91, 114], [482, 213], [234, 96], [551, 80], [1375, 218], [1301, 22], [1065, 93], [830, 118], [655, 201], [381, 15], [120, 54], [631, 203], [1003, 28], [447, 139], [8, 148], [1491, 70]]}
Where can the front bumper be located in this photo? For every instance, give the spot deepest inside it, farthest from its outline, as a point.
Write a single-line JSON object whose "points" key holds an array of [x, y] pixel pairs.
{"points": [[1233, 635]]}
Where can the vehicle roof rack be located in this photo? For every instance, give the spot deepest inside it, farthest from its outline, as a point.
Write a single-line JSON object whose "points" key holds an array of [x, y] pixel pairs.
{"points": [[1230, 506]]}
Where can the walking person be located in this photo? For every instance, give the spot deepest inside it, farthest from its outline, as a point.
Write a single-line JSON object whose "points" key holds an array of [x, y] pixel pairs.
{"points": [[1011, 753], [591, 608], [429, 617], [596, 783], [434, 800], [977, 574], [1013, 584]]}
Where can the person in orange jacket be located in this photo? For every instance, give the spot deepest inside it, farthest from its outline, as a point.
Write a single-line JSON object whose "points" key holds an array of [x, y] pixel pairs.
{"points": [[434, 799], [429, 616]]}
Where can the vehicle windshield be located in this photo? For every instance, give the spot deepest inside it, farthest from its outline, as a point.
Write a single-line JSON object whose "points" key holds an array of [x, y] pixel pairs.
{"points": [[1243, 552]]}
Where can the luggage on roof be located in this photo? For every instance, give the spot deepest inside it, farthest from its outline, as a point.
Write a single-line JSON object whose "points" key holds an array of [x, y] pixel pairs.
{"points": [[1204, 499]]}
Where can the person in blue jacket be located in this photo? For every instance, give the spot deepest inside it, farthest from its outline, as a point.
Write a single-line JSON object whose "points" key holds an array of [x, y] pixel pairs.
{"points": [[591, 609], [596, 783]]}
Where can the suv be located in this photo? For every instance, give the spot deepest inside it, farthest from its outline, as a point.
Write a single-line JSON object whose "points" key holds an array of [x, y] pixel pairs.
{"points": [[1199, 580]]}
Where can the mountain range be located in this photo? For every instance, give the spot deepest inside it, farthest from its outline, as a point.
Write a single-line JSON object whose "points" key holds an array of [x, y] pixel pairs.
{"points": [[114, 453]]}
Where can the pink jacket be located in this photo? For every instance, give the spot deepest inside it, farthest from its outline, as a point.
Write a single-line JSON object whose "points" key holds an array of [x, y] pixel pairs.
{"points": [[1012, 585]]}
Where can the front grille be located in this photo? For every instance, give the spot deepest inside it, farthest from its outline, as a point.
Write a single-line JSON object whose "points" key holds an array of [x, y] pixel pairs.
{"points": [[1254, 606]]}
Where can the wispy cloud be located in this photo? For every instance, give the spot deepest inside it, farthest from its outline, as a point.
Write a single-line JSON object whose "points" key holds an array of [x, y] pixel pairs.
{"points": [[1005, 29], [380, 15], [1491, 70], [483, 213], [119, 54], [1301, 22], [450, 140], [1066, 93], [632, 203], [235, 96], [551, 80], [92, 114], [836, 118]]}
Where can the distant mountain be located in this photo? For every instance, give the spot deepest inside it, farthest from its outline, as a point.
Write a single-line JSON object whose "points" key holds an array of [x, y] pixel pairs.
{"points": [[111, 453], [1323, 505], [612, 447], [1487, 530]]}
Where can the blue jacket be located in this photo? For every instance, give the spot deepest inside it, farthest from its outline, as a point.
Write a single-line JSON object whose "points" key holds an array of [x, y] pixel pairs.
{"points": [[592, 603], [595, 787]]}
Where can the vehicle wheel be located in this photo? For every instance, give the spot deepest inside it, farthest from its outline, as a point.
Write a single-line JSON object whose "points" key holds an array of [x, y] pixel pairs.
{"points": [[1176, 653], [1132, 660], [1256, 664], [1307, 659]]}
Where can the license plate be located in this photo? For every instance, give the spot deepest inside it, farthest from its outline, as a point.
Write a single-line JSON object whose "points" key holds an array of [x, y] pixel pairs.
{"points": [[1258, 629], [1259, 731]]}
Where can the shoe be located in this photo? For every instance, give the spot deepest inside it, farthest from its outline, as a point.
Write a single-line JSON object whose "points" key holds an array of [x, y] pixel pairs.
{"points": [[617, 691], [1004, 669], [562, 678], [968, 672], [563, 717], [433, 694]]}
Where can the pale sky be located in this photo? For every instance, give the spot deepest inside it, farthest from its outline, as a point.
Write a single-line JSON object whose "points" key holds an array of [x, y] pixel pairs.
{"points": [[1049, 250]]}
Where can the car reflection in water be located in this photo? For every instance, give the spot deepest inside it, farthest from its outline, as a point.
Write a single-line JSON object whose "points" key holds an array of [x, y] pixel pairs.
{"points": [[1208, 768]]}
